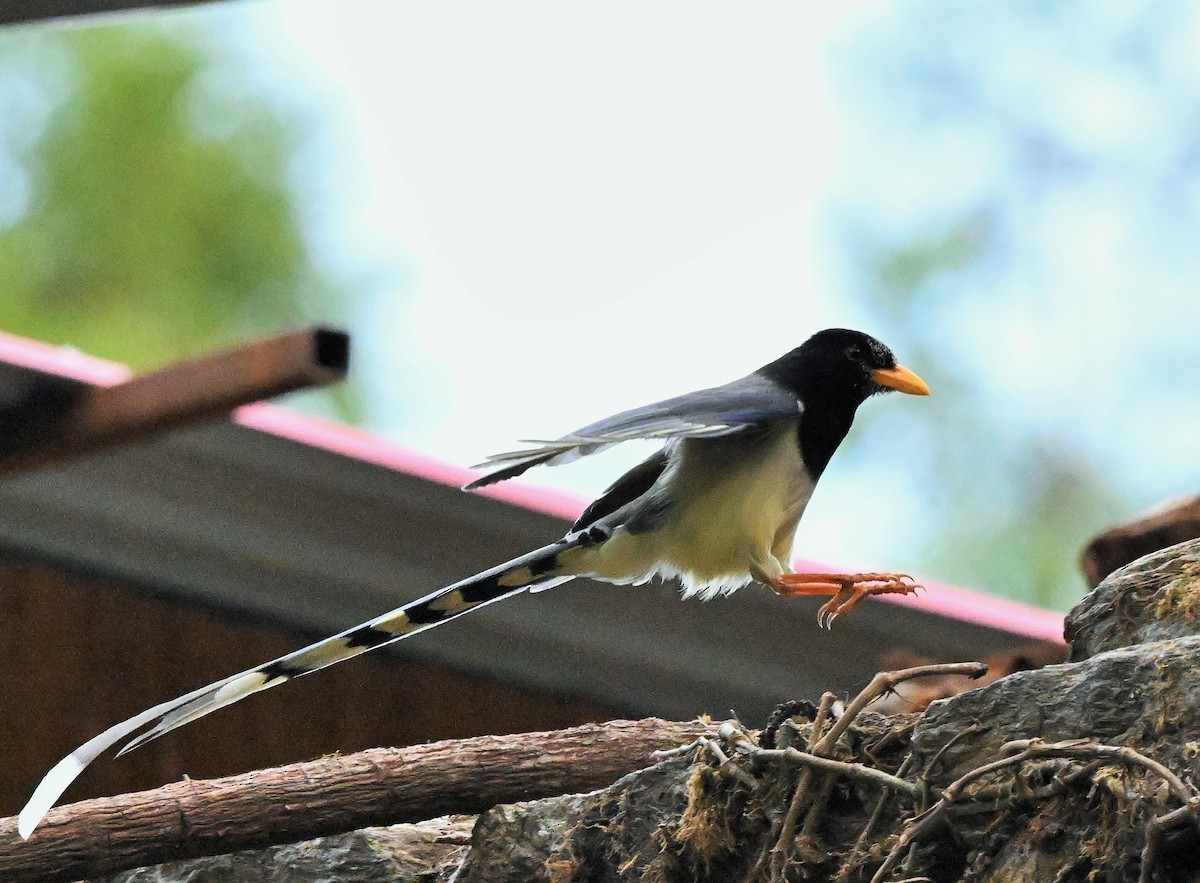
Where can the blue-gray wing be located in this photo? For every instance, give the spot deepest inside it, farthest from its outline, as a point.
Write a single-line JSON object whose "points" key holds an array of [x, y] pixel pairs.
{"points": [[721, 410]]}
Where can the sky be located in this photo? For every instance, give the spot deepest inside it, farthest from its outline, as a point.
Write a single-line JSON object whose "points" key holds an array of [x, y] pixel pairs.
{"points": [[574, 226], [554, 212]]}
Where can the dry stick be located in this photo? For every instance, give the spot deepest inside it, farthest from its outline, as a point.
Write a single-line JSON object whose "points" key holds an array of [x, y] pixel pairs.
{"points": [[994, 798], [784, 734], [1085, 750], [810, 820], [950, 743], [381, 786], [840, 767], [813, 817], [724, 764], [782, 849], [887, 681], [1018, 752], [867, 774], [884, 798], [1157, 827], [881, 684], [823, 712]]}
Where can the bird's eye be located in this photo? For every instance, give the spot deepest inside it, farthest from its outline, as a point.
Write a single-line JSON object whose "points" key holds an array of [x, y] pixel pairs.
{"points": [[855, 352]]}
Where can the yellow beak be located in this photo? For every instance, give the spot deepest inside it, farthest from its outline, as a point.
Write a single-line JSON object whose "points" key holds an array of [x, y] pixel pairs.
{"points": [[901, 380]]}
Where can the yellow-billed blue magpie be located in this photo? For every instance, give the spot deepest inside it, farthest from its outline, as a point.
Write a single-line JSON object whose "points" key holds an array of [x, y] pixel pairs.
{"points": [[716, 507]]}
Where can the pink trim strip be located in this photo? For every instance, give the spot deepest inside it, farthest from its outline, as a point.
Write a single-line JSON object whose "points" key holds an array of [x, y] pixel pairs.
{"points": [[940, 599], [351, 442], [64, 361]]}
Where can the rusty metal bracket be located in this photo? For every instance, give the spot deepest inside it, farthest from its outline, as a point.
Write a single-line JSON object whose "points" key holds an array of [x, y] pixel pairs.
{"points": [[57, 418]]}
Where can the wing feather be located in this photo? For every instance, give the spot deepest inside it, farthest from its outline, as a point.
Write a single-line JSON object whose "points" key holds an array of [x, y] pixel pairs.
{"points": [[707, 413]]}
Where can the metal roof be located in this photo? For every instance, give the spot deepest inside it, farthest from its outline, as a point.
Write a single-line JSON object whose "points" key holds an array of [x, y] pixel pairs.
{"points": [[14, 11], [322, 526]]}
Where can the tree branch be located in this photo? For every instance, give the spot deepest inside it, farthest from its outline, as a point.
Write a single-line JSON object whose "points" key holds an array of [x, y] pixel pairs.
{"points": [[382, 786]]}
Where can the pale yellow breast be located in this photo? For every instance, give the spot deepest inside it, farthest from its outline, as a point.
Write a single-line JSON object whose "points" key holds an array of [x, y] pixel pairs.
{"points": [[733, 496]]}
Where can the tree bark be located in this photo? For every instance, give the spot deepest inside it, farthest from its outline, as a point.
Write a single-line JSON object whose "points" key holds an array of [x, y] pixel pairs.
{"points": [[382, 786]]}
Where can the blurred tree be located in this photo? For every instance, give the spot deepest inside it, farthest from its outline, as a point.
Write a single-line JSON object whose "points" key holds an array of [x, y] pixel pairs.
{"points": [[1025, 181], [145, 207], [1014, 503]]}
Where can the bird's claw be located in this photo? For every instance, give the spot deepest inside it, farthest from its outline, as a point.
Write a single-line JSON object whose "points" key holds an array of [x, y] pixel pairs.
{"points": [[862, 585]]}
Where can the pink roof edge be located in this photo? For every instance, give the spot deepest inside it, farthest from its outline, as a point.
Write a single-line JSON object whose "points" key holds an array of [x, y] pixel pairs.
{"points": [[944, 600]]}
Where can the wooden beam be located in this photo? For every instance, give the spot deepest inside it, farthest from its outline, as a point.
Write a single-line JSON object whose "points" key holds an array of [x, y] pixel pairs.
{"points": [[382, 786], [57, 418]]}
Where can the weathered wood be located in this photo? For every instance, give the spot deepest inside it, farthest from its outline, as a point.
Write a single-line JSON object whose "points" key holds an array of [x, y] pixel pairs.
{"points": [[381, 786], [1165, 526]]}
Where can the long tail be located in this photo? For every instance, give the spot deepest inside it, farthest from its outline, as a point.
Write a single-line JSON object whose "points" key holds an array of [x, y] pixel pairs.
{"points": [[537, 569]]}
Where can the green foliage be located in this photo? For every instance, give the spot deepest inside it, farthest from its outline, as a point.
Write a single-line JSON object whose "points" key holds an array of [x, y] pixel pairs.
{"points": [[154, 217]]}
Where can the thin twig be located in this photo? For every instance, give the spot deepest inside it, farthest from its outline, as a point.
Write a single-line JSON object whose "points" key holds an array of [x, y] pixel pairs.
{"points": [[845, 768], [724, 765], [814, 810], [782, 849], [1089, 750], [1018, 752], [664, 753], [1160, 825], [813, 817], [823, 711], [950, 743], [821, 745], [884, 683], [885, 798]]}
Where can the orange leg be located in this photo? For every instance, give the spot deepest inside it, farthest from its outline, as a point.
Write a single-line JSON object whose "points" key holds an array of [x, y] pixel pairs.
{"points": [[847, 589]]}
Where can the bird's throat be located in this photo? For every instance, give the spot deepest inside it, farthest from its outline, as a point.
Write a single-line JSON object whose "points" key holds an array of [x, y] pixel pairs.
{"points": [[821, 431]]}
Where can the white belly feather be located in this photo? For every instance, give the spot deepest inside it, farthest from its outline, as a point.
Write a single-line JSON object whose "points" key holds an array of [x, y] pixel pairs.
{"points": [[734, 517]]}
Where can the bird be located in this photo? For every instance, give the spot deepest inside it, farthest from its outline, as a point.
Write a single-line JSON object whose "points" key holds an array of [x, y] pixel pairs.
{"points": [[717, 507]]}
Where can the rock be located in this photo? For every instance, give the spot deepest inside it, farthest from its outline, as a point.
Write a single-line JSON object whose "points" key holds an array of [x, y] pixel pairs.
{"points": [[1138, 696], [683, 822], [675, 822], [427, 852], [512, 843], [1155, 598]]}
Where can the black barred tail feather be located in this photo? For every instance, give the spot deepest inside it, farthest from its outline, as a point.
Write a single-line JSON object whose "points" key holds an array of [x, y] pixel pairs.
{"points": [[538, 569]]}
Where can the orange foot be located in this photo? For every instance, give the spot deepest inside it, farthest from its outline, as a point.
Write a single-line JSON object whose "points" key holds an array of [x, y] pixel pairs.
{"points": [[847, 589]]}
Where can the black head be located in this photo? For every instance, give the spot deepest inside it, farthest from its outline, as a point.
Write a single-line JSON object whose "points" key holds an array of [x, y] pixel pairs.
{"points": [[841, 368]]}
